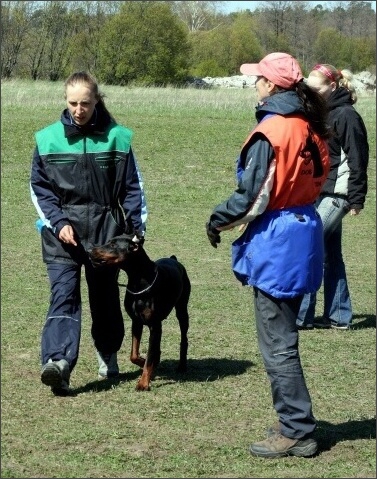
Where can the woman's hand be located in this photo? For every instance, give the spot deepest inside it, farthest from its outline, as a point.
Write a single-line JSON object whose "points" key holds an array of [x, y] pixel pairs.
{"points": [[66, 235], [354, 212]]}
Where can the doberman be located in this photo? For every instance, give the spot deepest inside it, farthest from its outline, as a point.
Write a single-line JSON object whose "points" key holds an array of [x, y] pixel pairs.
{"points": [[154, 288]]}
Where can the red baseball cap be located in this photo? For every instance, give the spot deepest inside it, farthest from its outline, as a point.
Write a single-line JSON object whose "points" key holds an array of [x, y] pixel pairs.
{"points": [[280, 68]]}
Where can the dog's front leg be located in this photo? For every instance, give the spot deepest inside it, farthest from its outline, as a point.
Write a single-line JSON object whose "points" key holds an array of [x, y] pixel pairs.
{"points": [[137, 331], [152, 359]]}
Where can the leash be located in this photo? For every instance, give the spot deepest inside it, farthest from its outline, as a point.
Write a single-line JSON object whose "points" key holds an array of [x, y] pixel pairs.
{"points": [[144, 290]]}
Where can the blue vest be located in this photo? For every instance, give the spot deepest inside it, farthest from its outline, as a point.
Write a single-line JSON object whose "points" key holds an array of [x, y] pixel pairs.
{"points": [[281, 252]]}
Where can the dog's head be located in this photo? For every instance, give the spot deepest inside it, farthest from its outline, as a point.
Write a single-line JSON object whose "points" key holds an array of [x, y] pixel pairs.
{"points": [[114, 252]]}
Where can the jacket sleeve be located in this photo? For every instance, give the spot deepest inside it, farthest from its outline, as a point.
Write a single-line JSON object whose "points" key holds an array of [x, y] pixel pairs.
{"points": [[46, 202], [134, 202], [253, 188], [352, 133]]}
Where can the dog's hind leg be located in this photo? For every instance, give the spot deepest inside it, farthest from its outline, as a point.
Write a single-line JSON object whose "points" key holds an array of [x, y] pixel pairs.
{"points": [[137, 331]]}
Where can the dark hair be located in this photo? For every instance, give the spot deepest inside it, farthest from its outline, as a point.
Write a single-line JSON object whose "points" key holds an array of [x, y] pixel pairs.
{"points": [[90, 81], [316, 110]]}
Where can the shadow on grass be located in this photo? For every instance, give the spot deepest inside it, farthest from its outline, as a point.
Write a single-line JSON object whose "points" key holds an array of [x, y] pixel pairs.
{"points": [[369, 321], [206, 370], [329, 434], [198, 370], [105, 384]]}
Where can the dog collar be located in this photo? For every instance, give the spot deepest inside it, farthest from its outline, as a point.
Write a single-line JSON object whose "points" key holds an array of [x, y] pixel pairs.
{"points": [[144, 290]]}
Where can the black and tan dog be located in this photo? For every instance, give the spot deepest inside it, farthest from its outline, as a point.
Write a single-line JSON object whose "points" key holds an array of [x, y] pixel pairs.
{"points": [[154, 288]]}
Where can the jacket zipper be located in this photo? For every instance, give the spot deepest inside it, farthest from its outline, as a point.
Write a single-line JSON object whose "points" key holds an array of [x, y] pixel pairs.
{"points": [[86, 190]]}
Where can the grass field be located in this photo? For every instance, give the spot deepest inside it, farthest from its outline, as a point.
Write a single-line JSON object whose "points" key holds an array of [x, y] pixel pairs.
{"points": [[200, 425]]}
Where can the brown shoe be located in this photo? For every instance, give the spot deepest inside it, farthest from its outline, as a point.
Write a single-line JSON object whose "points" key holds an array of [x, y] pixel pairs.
{"points": [[278, 445]]}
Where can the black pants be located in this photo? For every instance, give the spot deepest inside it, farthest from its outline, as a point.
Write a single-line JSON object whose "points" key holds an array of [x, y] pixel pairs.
{"points": [[62, 330], [278, 344]]}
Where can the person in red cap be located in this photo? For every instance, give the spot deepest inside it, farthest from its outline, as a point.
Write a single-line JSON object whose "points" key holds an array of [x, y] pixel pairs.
{"points": [[280, 171]]}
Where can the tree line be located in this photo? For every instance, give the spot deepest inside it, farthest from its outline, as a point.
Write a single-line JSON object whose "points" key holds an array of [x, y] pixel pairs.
{"points": [[162, 42]]}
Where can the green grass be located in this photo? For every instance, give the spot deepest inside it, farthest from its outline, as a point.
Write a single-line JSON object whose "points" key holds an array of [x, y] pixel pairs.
{"points": [[200, 425]]}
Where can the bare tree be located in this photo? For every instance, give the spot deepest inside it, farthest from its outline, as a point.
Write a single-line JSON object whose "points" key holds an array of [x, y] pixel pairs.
{"points": [[36, 44], [197, 15], [91, 16], [301, 30], [14, 27], [49, 40], [276, 15]]}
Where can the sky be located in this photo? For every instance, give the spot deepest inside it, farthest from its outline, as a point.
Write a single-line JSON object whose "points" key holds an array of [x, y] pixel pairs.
{"points": [[236, 6]]}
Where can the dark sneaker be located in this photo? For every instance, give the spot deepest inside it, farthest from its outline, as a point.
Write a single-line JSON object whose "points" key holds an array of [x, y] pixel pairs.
{"points": [[341, 326], [108, 365], [278, 445], [302, 327], [322, 323], [56, 374]]}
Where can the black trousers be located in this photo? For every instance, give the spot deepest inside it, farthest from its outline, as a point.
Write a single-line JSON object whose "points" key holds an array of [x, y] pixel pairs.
{"points": [[62, 330], [278, 344]]}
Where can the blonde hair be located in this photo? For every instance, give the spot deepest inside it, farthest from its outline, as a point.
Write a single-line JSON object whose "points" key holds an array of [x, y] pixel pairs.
{"points": [[342, 78], [346, 82]]}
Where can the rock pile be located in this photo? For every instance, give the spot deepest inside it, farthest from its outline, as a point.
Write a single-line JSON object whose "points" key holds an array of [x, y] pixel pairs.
{"points": [[364, 82]]}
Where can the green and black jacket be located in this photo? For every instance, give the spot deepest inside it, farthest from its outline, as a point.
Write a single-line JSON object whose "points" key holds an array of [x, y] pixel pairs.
{"points": [[86, 177]]}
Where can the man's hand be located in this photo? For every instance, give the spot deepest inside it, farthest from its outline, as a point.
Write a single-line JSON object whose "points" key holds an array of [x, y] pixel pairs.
{"points": [[213, 235]]}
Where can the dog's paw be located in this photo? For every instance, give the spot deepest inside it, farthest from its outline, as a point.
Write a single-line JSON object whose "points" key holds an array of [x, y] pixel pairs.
{"points": [[140, 386]]}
